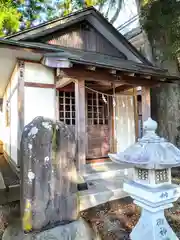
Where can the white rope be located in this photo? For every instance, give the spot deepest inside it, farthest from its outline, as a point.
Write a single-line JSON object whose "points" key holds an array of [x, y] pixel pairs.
{"points": [[93, 90], [102, 93]]}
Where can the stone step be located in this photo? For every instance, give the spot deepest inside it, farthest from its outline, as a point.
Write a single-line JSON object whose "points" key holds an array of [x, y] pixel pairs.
{"points": [[10, 194], [101, 191], [9, 183], [105, 183], [104, 170]]}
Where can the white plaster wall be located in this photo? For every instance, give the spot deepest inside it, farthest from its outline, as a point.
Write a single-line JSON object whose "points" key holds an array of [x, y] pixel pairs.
{"points": [[14, 126], [38, 102], [38, 73], [8, 134], [5, 130]]}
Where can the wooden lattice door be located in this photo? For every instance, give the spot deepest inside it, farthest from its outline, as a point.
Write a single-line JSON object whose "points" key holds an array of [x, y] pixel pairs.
{"points": [[98, 127]]}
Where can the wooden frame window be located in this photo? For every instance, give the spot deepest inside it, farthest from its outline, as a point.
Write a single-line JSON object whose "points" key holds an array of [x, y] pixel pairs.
{"points": [[67, 108], [97, 109]]}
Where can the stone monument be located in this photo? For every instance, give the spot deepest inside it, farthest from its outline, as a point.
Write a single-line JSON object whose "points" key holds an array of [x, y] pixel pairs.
{"points": [[152, 158], [49, 193]]}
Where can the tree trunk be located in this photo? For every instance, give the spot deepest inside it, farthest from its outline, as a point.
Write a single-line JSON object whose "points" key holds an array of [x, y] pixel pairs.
{"points": [[165, 107], [165, 99]]}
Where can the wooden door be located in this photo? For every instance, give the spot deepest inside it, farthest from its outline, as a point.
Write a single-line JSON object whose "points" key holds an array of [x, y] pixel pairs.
{"points": [[98, 129]]}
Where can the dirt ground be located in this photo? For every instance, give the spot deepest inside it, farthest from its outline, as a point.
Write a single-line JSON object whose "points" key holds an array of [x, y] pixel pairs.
{"points": [[115, 220]]}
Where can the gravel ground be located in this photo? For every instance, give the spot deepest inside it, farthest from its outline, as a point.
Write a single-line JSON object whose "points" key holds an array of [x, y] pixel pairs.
{"points": [[111, 221], [115, 220]]}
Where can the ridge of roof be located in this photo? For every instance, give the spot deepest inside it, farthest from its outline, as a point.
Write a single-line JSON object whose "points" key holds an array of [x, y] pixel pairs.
{"points": [[89, 11], [56, 19], [124, 40]]}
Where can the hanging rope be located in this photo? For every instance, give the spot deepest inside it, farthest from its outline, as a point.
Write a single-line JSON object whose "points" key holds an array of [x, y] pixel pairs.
{"points": [[104, 95]]}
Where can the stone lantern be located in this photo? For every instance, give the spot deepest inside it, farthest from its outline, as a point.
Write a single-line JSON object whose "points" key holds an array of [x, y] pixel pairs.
{"points": [[151, 158]]}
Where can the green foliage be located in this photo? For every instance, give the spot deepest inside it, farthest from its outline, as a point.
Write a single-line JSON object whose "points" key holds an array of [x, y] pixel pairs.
{"points": [[9, 17], [68, 6], [35, 11], [21, 14], [161, 20]]}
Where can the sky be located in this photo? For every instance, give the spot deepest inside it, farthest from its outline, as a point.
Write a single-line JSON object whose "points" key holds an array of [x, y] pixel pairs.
{"points": [[129, 11]]}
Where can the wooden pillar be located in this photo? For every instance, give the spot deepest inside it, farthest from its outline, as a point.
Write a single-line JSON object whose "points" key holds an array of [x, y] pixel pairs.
{"points": [[20, 108], [57, 105], [80, 124], [146, 103], [135, 112]]}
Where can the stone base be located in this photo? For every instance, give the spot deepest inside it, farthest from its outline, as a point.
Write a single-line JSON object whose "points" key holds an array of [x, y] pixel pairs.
{"points": [[153, 226], [77, 230]]}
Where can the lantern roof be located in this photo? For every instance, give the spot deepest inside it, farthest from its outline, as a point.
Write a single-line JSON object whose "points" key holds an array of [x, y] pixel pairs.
{"points": [[149, 152]]}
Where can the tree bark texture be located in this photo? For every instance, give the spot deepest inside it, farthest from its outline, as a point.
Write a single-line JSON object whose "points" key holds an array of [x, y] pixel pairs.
{"points": [[165, 109], [165, 98]]}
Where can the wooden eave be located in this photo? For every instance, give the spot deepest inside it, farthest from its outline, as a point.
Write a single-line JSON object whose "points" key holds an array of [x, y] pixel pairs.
{"points": [[112, 65], [29, 46], [95, 66]]}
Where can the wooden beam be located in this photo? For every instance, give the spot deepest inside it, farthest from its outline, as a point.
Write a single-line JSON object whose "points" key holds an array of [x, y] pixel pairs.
{"points": [[91, 68], [119, 89], [146, 103], [98, 87], [104, 75], [82, 73], [107, 84], [130, 74], [62, 82], [147, 77], [80, 124], [39, 85], [112, 71], [21, 71], [57, 105], [136, 113], [138, 81]]}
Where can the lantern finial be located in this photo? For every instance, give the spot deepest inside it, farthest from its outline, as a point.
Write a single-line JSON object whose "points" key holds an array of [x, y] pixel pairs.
{"points": [[150, 125]]}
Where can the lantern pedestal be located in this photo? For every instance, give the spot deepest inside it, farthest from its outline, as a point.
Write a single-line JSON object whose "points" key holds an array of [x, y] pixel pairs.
{"points": [[152, 224], [152, 158]]}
